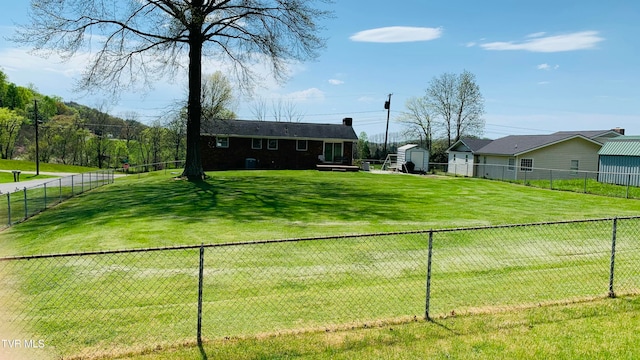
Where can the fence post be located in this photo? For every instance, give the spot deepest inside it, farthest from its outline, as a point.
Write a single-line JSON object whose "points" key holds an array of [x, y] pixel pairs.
{"points": [[26, 211], [60, 188], [9, 208], [428, 297], [612, 294], [200, 281], [585, 182], [45, 196], [628, 183], [551, 178]]}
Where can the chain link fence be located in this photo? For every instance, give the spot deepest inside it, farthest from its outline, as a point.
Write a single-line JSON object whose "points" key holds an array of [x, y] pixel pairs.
{"points": [[26, 202], [93, 304], [625, 185]]}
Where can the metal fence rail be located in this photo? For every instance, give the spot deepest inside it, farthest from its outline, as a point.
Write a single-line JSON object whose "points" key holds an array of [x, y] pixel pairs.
{"points": [[29, 201], [624, 185], [90, 304]]}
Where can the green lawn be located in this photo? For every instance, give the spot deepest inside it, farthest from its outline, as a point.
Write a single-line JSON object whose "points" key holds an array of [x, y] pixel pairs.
{"points": [[603, 329], [7, 177], [140, 299], [24, 165], [156, 210]]}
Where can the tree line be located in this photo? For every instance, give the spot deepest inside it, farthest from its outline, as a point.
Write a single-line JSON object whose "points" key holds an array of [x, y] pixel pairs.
{"points": [[74, 134]]}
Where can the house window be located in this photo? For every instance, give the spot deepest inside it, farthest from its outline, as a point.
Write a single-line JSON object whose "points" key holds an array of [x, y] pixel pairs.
{"points": [[466, 158], [512, 164], [272, 144], [526, 164], [302, 145], [574, 167], [222, 141], [256, 144], [333, 152]]}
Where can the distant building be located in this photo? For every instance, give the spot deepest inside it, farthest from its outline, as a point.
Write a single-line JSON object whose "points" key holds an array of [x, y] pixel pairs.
{"points": [[244, 144], [519, 156], [619, 161]]}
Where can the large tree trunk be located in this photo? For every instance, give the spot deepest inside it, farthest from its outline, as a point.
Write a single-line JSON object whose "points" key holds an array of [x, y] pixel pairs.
{"points": [[193, 166]]}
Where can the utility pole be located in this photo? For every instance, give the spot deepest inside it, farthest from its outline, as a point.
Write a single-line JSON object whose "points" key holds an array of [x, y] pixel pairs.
{"points": [[35, 115], [387, 105]]}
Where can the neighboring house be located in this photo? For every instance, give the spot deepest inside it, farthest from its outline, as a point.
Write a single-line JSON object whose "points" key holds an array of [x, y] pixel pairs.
{"points": [[619, 161], [531, 156], [462, 156], [243, 144]]}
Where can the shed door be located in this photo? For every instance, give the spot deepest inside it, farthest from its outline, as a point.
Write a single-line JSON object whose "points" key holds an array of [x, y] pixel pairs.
{"points": [[417, 157]]}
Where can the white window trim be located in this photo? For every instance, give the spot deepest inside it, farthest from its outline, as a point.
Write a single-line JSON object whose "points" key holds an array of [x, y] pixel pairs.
{"points": [[306, 145], [526, 168], [222, 142], [253, 146], [511, 167], [269, 144]]}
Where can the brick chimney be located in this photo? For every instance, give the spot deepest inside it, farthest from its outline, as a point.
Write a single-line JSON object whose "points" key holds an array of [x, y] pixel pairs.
{"points": [[347, 121], [619, 130]]}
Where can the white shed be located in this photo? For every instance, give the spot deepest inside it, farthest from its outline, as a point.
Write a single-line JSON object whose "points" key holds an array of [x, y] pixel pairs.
{"points": [[419, 157]]}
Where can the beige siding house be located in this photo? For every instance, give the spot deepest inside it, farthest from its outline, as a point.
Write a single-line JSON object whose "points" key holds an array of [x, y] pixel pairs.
{"points": [[462, 157], [532, 157]]}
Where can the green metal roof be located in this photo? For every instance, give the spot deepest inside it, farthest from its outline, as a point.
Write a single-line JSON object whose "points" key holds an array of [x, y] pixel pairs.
{"points": [[629, 146]]}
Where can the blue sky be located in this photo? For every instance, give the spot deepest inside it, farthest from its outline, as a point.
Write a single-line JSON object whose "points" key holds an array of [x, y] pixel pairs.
{"points": [[542, 66]]}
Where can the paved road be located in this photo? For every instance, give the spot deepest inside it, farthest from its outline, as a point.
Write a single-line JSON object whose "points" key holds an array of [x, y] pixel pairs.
{"points": [[66, 181]]}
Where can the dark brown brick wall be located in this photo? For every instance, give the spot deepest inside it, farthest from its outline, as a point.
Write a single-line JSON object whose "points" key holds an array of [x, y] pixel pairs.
{"points": [[285, 157]]}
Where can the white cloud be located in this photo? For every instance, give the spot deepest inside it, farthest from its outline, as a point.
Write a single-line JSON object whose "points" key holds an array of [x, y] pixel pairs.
{"points": [[21, 61], [397, 34], [543, 67], [567, 42], [335, 82], [547, 67], [543, 83], [311, 94], [471, 44]]}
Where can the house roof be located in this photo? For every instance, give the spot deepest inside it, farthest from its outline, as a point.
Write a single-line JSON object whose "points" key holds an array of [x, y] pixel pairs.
{"points": [[282, 130], [514, 145], [623, 146], [407, 147], [591, 134], [469, 144]]}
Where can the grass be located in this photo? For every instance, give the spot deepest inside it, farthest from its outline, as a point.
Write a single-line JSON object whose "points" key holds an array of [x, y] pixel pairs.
{"points": [[7, 177], [330, 283], [25, 165], [589, 186], [602, 329], [157, 210]]}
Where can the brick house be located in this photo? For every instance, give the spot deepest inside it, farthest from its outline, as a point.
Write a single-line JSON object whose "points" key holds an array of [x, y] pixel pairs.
{"points": [[244, 144]]}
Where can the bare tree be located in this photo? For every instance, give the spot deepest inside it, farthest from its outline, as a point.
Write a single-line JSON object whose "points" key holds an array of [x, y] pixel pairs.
{"points": [[140, 41], [291, 113], [217, 100], [259, 109], [419, 119], [457, 100], [176, 132]]}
